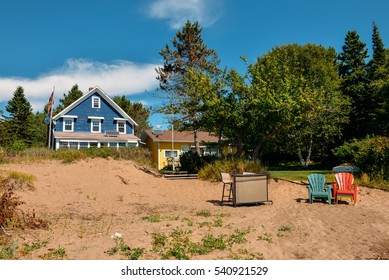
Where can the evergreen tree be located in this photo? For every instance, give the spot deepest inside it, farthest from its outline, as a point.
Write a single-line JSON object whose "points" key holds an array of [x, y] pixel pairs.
{"points": [[378, 63], [136, 111], [188, 52], [352, 70], [378, 68], [19, 125], [39, 129]]}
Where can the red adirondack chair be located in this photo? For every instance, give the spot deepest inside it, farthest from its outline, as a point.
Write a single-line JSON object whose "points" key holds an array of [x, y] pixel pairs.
{"points": [[345, 187]]}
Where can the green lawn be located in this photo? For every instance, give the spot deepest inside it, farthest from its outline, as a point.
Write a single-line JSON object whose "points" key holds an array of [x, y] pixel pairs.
{"points": [[300, 175]]}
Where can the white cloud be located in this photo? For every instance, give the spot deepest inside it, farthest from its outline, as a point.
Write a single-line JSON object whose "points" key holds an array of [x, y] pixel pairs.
{"points": [[177, 12], [119, 77]]}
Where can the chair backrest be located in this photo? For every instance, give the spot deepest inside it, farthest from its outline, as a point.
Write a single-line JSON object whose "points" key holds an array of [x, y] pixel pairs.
{"points": [[344, 180], [317, 181], [226, 178]]}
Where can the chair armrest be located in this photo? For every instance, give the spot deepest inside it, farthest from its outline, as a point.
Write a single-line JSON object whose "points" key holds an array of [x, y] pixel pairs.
{"points": [[328, 187]]}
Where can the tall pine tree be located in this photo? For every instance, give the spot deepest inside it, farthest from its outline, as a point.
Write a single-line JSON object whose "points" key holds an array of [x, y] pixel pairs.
{"points": [[19, 123], [352, 70], [188, 52], [377, 64], [378, 69]]}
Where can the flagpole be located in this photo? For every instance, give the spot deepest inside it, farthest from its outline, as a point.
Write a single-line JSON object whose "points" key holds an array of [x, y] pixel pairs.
{"points": [[50, 117], [49, 140]]}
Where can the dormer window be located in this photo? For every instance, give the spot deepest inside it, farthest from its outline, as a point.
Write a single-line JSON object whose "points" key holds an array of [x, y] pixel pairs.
{"points": [[95, 102]]}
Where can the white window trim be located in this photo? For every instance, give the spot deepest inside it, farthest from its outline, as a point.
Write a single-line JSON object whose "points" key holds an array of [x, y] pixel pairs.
{"points": [[117, 126], [93, 102], [91, 126], [95, 118], [177, 151], [64, 124]]}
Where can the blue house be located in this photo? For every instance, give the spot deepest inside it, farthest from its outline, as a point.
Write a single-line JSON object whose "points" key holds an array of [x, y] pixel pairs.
{"points": [[94, 120]]}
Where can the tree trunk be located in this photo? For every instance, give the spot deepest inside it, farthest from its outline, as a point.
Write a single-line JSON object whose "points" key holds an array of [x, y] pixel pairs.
{"points": [[305, 162], [219, 143], [258, 152], [300, 155], [239, 147], [308, 159], [196, 142]]}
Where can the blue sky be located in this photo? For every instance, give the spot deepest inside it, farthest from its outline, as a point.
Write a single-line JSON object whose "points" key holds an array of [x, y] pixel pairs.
{"points": [[115, 44]]}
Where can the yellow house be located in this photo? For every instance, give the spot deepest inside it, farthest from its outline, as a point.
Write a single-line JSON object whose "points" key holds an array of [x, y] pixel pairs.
{"points": [[166, 144]]}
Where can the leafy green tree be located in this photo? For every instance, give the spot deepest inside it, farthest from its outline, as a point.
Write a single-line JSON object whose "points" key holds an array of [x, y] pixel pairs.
{"points": [[19, 124], [325, 109], [68, 99], [215, 105], [353, 71], [238, 112], [136, 111], [188, 52], [295, 96]]}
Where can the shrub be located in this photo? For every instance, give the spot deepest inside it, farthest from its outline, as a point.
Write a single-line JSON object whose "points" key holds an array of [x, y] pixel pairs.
{"points": [[371, 155], [212, 171], [192, 162], [10, 214], [8, 208], [18, 146]]}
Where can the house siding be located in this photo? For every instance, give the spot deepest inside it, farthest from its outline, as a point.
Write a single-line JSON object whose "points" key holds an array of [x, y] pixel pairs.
{"points": [[158, 144], [84, 110], [165, 146]]}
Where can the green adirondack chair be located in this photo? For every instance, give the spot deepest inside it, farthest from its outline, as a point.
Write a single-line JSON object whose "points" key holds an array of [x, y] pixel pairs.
{"points": [[317, 188]]}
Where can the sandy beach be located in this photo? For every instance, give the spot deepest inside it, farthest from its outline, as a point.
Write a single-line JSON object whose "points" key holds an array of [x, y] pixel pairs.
{"points": [[88, 202]]}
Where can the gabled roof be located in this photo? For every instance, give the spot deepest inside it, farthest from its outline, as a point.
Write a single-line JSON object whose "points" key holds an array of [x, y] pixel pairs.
{"points": [[179, 136], [102, 95]]}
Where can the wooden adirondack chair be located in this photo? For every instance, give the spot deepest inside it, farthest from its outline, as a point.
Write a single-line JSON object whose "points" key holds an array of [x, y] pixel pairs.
{"points": [[345, 187], [317, 188]]}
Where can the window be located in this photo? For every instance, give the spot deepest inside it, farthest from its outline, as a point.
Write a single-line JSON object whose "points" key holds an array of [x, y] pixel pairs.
{"points": [[121, 127], [185, 148], [93, 144], [83, 145], [95, 102], [169, 154], [96, 126], [122, 144], [68, 125]]}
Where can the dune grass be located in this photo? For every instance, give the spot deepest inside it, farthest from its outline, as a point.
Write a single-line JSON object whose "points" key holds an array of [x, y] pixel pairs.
{"points": [[139, 155]]}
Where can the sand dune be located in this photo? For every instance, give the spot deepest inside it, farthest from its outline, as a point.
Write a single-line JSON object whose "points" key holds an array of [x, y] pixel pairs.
{"points": [[89, 201]]}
